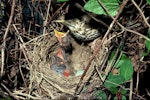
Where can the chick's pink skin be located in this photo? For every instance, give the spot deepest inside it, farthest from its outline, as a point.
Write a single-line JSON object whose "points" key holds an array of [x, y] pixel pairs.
{"points": [[60, 54], [66, 73]]}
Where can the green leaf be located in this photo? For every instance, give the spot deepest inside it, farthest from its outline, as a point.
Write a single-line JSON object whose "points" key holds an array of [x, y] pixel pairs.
{"points": [[148, 1], [62, 0], [113, 90], [113, 80], [126, 69], [100, 95], [123, 91], [122, 60], [148, 32], [119, 1], [123, 56], [145, 53], [111, 57], [111, 5], [6, 98], [123, 98], [147, 44]]}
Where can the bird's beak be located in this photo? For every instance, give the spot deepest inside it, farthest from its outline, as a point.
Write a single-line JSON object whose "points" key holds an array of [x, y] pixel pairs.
{"points": [[59, 21], [64, 22], [59, 35]]}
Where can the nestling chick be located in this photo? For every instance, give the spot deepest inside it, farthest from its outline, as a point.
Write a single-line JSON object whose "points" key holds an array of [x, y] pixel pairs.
{"points": [[64, 40]]}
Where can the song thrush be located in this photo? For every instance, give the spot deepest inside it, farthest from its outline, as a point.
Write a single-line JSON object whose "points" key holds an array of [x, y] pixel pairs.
{"points": [[80, 29]]}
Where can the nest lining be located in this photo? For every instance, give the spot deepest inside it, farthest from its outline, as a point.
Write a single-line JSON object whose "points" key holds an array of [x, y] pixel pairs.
{"points": [[42, 78]]}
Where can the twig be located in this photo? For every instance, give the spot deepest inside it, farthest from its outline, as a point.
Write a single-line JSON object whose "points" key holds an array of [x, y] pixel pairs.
{"points": [[46, 16], [55, 13], [17, 33], [99, 47], [109, 67], [23, 47], [22, 42], [131, 89], [141, 13], [137, 81], [106, 58], [147, 92], [137, 33], [5, 36], [126, 29], [99, 74], [118, 34], [104, 8], [10, 93], [97, 20], [27, 95], [21, 70]]}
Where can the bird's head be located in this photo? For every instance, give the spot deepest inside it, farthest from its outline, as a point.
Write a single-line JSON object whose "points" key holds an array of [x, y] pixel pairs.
{"points": [[72, 24]]}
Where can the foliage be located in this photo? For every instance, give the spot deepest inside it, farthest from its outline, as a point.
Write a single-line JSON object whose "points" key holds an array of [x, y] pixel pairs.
{"points": [[62, 0], [148, 1], [123, 98], [100, 95], [126, 68], [147, 44], [93, 6], [6, 98], [111, 5], [113, 80], [125, 71]]}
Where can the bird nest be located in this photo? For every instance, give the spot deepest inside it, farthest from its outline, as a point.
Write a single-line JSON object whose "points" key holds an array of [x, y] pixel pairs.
{"points": [[44, 82]]}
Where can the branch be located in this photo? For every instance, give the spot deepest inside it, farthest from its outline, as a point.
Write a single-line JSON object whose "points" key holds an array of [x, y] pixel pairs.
{"points": [[5, 36], [99, 47], [141, 13]]}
